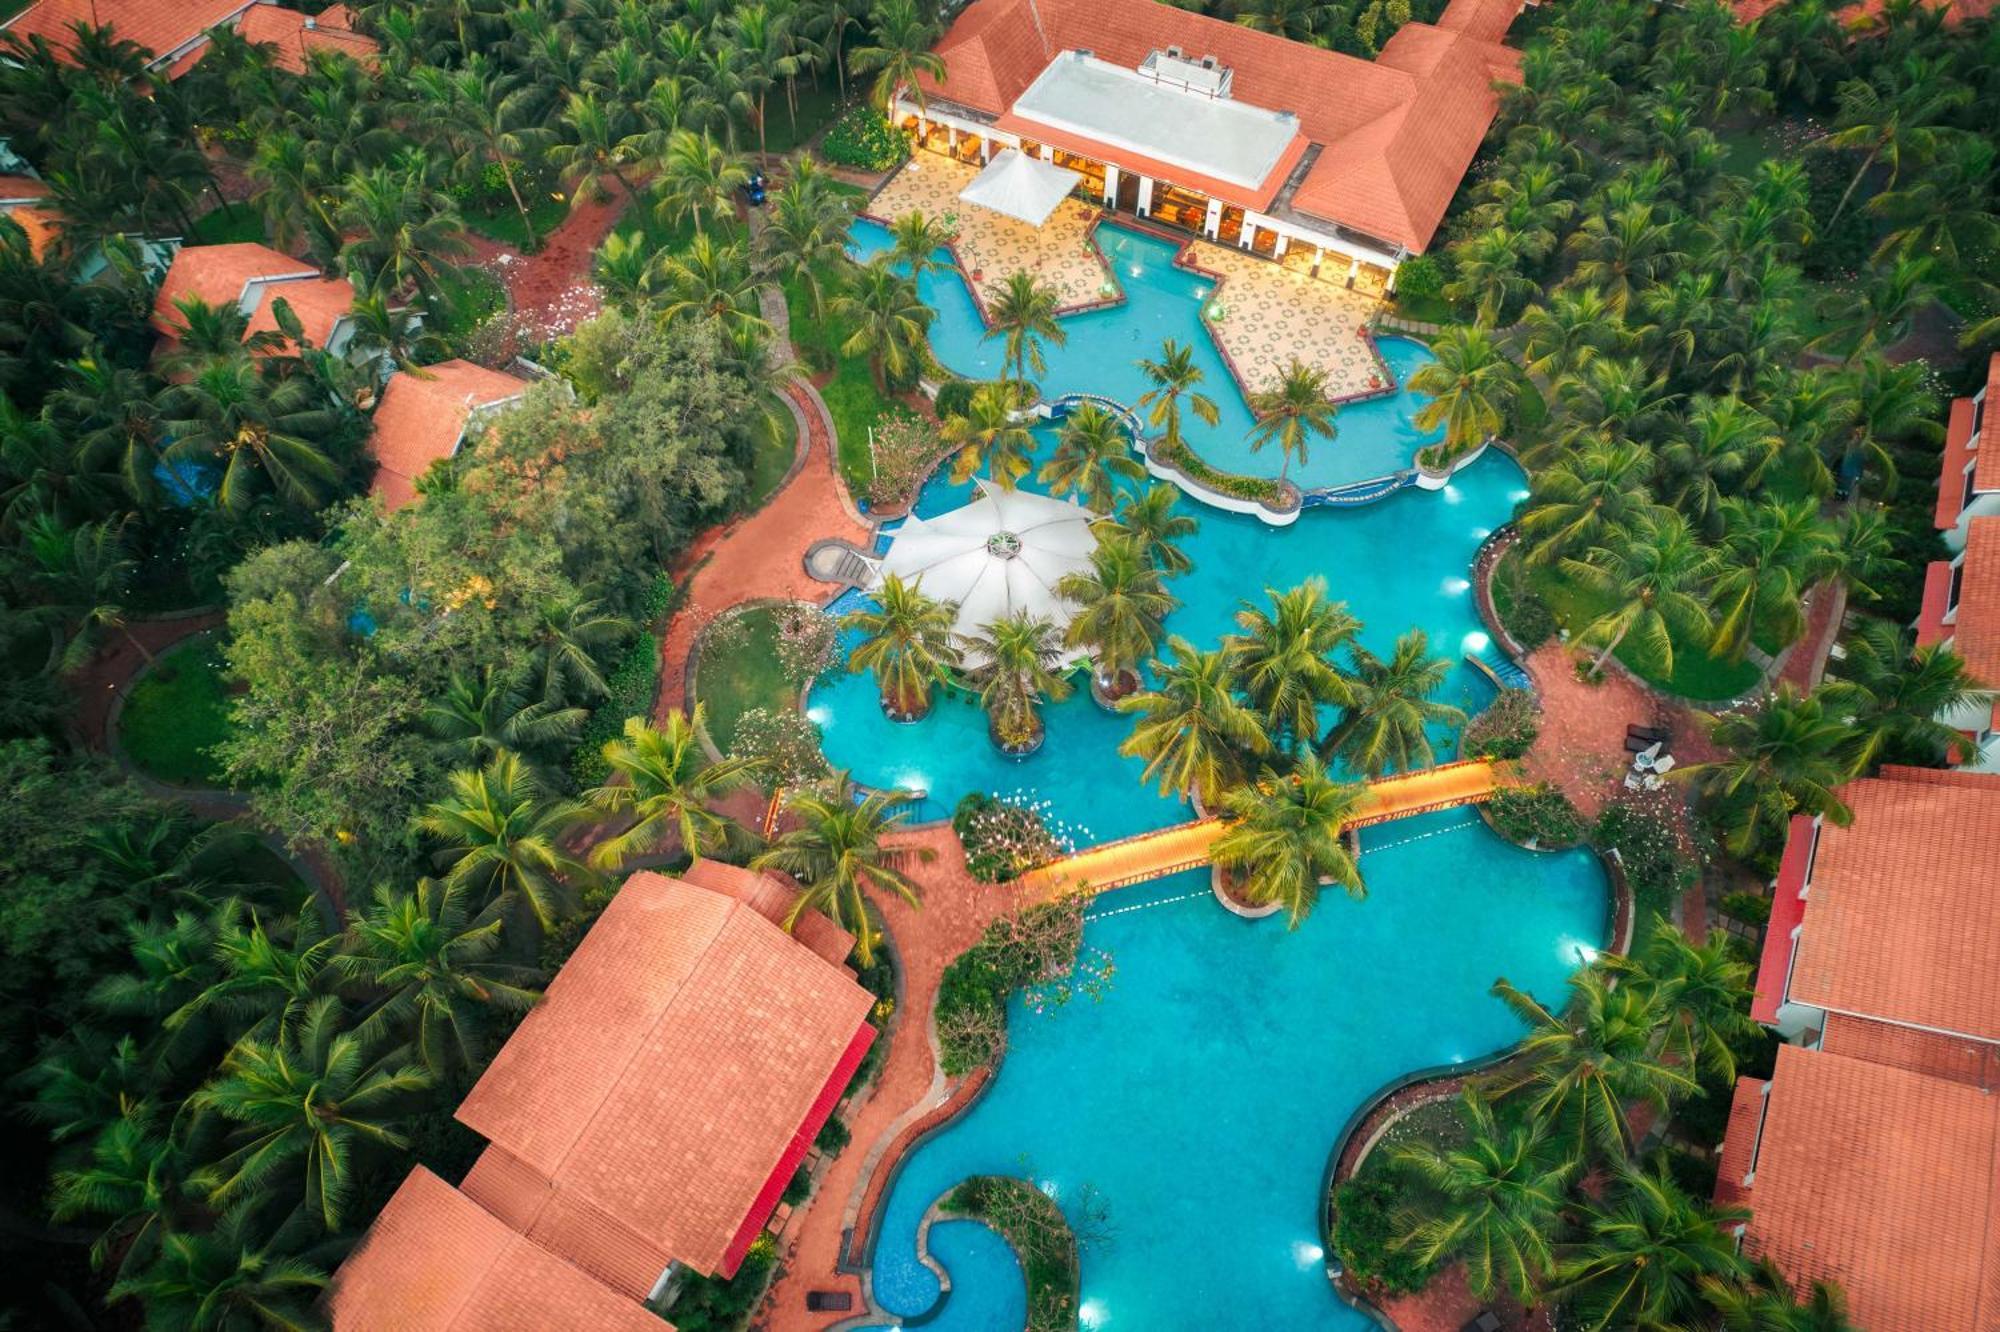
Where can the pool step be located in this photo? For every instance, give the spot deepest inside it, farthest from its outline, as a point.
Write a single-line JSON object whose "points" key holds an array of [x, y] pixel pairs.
{"points": [[1500, 668]]}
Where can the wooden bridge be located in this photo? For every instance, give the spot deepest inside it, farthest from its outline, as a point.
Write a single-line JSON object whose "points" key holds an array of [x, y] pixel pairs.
{"points": [[1186, 846]]}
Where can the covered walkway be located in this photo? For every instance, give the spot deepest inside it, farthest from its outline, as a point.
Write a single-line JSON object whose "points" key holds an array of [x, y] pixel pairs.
{"points": [[1186, 846]]}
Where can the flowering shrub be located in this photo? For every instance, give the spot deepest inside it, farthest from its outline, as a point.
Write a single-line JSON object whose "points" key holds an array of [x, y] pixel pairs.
{"points": [[864, 138], [1506, 729], [784, 745], [1003, 839], [1038, 951], [1661, 857], [906, 448], [806, 640], [1540, 814]]}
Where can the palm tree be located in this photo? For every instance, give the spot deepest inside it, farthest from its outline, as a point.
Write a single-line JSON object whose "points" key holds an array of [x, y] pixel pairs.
{"points": [[1489, 274], [1293, 411], [1023, 312], [888, 320], [1195, 737], [1888, 307], [1893, 403], [1388, 723], [899, 50], [480, 717], [907, 642], [1771, 552], [225, 1278], [629, 270], [1174, 377], [266, 434], [1579, 501], [668, 788], [1016, 663], [760, 42], [917, 241], [1562, 338], [1708, 458], [501, 834], [1766, 1302], [837, 850], [1650, 578], [709, 284], [989, 436], [1283, 837], [308, 1101], [136, 1179], [805, 235], [401, 232], [1648, 1254], [1622, 252], [1498, 1203], [112, 418], [1898, 691], [494, 116], [1882, 123], [431, 976], [1789, 756], [1149, 518], [1472, 387], [1583, 1068], [1707, 994], [81, 576], [591, 152], [698, 179], [564, 643], [1093, 454], [1943, 213], [1120, 606], [1283, 660]]}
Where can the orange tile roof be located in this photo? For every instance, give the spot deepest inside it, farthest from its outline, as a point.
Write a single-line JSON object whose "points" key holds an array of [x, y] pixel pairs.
{"points": [[1951, 468], [1988, 471], [1739, 1142], [295, 35], [435, 1261], [1397, 133], [422, 418], [1885, 1182], [771, 895], [1975, 630], [160, 26], [219, 275], [1953, 1058], [658, 1099], [20, 189], [320, 304], [1901, 921]]}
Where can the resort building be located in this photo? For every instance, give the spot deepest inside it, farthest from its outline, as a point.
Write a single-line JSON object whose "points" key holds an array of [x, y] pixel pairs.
{"points": [[424, 417], [253, 277], [1969, 481], [1961, 602], [1879, 1179], [174, 33], [644, 1119], [1331, 163], [25, 200]]}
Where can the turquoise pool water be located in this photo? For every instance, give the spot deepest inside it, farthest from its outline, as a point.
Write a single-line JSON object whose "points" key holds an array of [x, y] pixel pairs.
{"points": [[1200, 1097], [1374, 438]]}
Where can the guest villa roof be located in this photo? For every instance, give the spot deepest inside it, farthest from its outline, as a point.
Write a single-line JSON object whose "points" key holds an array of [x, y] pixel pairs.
{"points": [[1902, 923], [422, 418], [220, 275], [1396, 133], [657, 1102], [435, 1261], [296, 35], [160, 26], [1884, 1181]]}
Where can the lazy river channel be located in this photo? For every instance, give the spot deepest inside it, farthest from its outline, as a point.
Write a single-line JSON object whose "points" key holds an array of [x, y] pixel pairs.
{"points": [[1195, 1103]]}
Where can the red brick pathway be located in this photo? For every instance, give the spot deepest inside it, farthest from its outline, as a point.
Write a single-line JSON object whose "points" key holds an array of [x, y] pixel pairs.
{"points": [[1446, 1306], [105, 675], [1581, 748], [550, 291]]}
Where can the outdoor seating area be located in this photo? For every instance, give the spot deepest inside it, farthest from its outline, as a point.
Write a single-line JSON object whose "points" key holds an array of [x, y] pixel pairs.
{"points": [[1268, 314], [1650, 760]]}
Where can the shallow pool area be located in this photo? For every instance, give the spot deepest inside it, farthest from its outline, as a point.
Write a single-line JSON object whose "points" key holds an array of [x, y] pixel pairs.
{"points": [[1374, 437], [1199, 1098]]}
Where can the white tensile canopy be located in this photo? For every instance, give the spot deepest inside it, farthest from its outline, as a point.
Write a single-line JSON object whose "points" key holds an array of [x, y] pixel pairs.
{"points": [[999, 555], [1022, 187]]}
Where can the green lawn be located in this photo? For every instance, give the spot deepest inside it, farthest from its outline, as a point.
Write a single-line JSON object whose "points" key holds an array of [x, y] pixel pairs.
{"points": [[176, 714], [816, 107], [773, 456], [739, 671], [851, 396], [222, 226], [1695, 675], [1427, 310], [504, 224]]}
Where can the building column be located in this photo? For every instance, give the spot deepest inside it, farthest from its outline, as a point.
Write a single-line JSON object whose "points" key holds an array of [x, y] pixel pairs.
{"points": [[1389, 287], [1145, 196], [1247, 238], [951, 139], [1353, 270], [1280, 246], [985, 149], [1212, 224], [1110, 185], [1319, 257], [1048, 153]]}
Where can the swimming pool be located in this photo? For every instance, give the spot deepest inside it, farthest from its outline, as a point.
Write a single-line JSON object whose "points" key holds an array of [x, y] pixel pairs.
{"points": [[1374, 437], [1201, 1096]]}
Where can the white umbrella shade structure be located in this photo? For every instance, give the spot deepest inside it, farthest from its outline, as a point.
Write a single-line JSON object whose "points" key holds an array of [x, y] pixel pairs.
{"points": [[1001, 554], [1024, 188]]}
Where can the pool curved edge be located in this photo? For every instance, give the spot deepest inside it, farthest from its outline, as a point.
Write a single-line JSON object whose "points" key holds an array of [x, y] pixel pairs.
{"points": [[1339, 1169]]}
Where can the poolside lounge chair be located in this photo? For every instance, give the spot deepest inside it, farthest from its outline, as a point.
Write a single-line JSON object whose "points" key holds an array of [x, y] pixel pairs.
{"points": [[1486, 1322], [1643, 737], [832, 1301]]}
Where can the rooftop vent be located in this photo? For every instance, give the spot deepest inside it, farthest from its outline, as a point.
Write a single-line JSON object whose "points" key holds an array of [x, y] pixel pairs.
{"points": [[1206, 77]]}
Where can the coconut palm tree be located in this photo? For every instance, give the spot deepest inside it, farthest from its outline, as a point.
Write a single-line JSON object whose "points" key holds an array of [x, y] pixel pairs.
{"points": [[1896, 692], [1389, 721], [1943, 212], [589, 150], [1893, 404], [1581, 500], [111, 418], [1283, 660], [837, 848], [1707, 994], [989, 437], [491, 117], [1650, 578], [668, 789], [1708, 457], [1789, 756], [267, 434], [135, 1181], [709, 285], [228, 1277], [1648, 1254], [431, 978], [1195, 737], [1093, 454], [1282, 838], [1489, 274], [698, 180], [1561, 338], [1016, 664], [917, 240], [1023, 312], [760, 40], [1472, 386], [401, 233], [630, 272], [501, 835], [310, 1102], [263, 983], [1771, 552], [1120, 607], [481, 716], [1766, 1302], [804, 239], [1496, 1202], [1622, 252], [1582, 1069], [1883, 122], [1292, 412], [565, 640], [907, 642], [899, 49], [1175, 379], [1149, 518], [888, 322]]}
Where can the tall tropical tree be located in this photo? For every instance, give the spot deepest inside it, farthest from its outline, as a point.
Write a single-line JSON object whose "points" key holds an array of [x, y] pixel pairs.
{"points": [[805, 236], [1472, 387], [698, 179], [228, 1278], [1015, 663], [1489, 276], [1283, 837], [1023, 313], [1651, 579], [917, 241], [1766, 1302], [1195, 737], [1787, 757], [1175, 379], [838, 849], [898, 50], [500, 834], [1896, 692], [1388, 723], [266, 434], [888, 321], [1771, 552], [709, 284], [1120, 605], [1709, 456], [1882, 123], [1496, 1202], [402, 233], [1623, 251], [907, 641], [1647, 1255], [1283, 660], [589, 150], [1291, 412], [1578, 502], [482, 715], [135, 1182], [1707, 994], [1092, 455], [668, 788], [566, 639], [1150, 518], [990, 438]]}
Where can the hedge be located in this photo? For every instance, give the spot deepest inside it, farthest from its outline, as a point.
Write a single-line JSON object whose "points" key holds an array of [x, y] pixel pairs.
{"points": [[864, 138]]}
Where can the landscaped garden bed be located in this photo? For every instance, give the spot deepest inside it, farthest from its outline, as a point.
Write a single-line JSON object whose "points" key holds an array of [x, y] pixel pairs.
{"points": [[175, 715], [1035, 1228]]}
